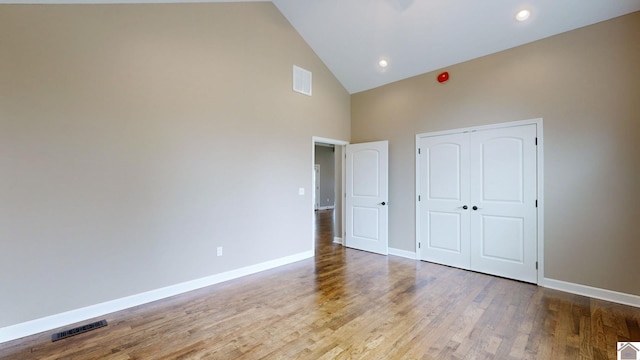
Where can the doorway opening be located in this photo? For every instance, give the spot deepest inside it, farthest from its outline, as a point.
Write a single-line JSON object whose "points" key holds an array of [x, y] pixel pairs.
{"points": [[316, 184], [327, 166]]}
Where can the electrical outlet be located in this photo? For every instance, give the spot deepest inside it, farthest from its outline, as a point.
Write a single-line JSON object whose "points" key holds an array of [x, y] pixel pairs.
{"points": [[219, 251]]}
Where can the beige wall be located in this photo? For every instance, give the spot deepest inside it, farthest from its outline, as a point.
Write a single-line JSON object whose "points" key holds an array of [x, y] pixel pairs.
{"points": [[585, 84], [135, 139]]}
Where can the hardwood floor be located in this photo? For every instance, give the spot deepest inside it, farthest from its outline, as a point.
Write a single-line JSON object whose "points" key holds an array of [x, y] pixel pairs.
{"points": [[349, 304]]}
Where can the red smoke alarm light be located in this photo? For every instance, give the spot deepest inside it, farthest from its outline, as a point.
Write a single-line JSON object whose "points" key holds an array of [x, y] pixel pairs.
{"points": [[443, 77]]}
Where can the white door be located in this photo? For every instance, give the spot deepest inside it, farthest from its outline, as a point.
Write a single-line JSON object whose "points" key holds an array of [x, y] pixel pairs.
{"points": [[503, 202], [367, 197], [444, 199], [477, 206]]}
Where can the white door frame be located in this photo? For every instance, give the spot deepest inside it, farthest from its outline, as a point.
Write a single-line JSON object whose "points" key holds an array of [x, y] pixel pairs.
{"points": [[540, 181], [339, 145]]}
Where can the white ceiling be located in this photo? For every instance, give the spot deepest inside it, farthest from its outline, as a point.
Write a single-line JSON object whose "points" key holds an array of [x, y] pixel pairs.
{"points": [[418, 36]]}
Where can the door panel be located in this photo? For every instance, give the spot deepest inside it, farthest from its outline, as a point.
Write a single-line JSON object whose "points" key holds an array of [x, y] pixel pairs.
{"points": [[502, 170], [503, 188], [444, 231], [366, 222], [494, 229], [444, 190], [367, 197], [444, 163], [366, 169]]}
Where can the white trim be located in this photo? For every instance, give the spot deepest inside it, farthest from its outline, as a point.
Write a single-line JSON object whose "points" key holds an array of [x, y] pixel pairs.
{"points": [[540, 171], [32, 327], [326, 207], [343, 190], [403, 253], [482, 127], [592, 292], [337, 240], [318, 139], [416, 190], [540, 179]]}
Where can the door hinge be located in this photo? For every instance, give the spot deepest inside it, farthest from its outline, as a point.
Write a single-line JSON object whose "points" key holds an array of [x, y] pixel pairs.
{"points": [[536, 203], [536, 265], [418, 197], [536, 141], [418, 151], [418, 245]]}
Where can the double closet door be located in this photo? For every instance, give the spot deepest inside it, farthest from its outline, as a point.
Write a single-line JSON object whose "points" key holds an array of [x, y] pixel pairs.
{"points": [[477, 207]]}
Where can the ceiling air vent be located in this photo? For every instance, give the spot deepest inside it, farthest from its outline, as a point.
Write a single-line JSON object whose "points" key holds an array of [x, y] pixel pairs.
{"points": [[301, 80]]}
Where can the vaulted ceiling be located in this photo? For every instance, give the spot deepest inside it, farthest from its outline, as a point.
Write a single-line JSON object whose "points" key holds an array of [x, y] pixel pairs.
{"points": [[418, 36]]}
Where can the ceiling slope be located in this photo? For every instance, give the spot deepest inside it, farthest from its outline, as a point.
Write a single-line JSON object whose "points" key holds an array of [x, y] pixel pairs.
{"points": [[418, 36]]}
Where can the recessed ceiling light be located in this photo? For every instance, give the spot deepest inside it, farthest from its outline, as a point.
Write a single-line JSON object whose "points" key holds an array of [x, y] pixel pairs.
{"points": [[383, 63], [523, 15]]}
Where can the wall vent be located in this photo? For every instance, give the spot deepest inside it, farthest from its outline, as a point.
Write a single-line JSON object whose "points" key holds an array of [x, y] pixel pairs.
{"points": [[301, 80], [78, 330]]}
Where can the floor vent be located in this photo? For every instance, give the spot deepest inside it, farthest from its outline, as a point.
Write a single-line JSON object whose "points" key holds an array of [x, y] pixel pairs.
{"points": [[78, 330]]}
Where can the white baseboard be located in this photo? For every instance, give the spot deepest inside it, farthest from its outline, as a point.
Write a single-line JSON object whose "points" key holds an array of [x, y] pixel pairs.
{"points": [[403, 253], [78, 315], [48, 323], [596, 293], [337, 240]]}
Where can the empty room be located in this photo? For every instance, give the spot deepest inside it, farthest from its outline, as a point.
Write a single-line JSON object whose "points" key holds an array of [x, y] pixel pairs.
{"points": [[162, 188]]}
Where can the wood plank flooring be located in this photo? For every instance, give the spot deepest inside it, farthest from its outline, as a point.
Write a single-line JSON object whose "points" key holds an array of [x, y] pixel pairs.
{"points": [[349, 304]]}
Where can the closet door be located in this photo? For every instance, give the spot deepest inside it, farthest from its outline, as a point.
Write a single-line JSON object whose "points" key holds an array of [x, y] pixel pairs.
{"points": [[503, 202], [444, 192]]}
